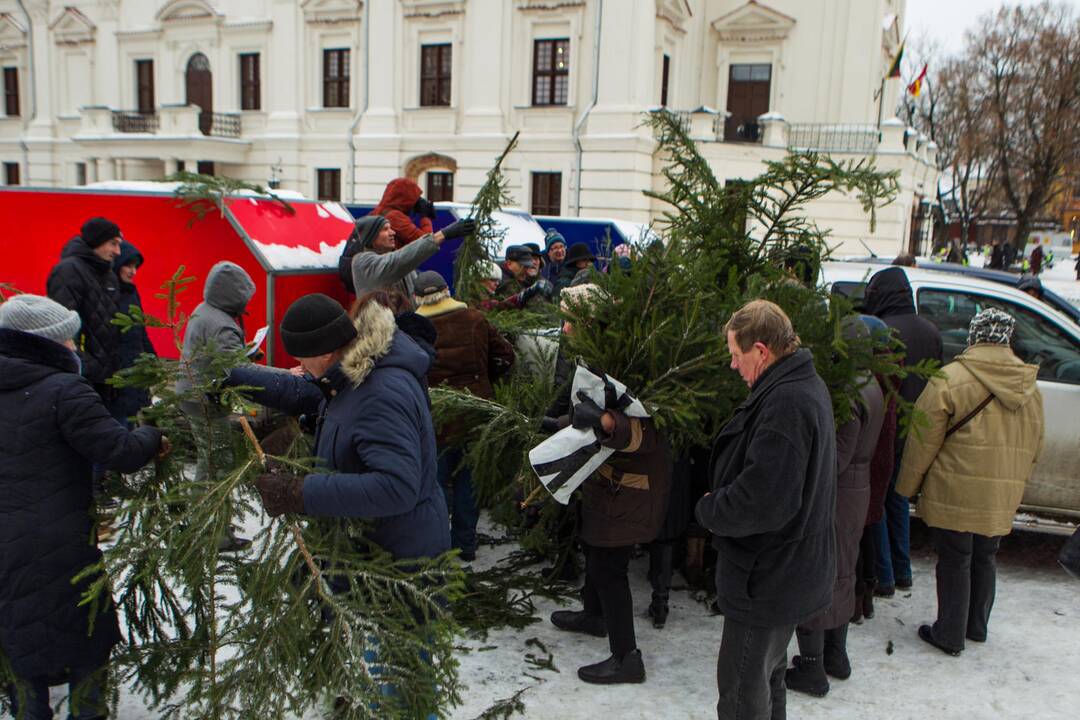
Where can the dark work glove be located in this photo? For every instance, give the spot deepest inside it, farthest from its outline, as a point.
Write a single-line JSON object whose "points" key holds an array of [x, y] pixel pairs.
{"points": [[459, 229], [424, 208], [549, 424], [540, 287], [281, 491], [586, 414]]}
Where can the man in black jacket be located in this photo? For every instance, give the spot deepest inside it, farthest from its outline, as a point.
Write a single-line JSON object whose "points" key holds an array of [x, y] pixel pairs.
{"points": [[771, 508], [889, 297], [84, 281]]}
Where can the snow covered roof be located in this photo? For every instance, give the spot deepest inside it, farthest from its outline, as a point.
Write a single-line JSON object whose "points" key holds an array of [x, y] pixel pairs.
{"points": [[312, 237]]}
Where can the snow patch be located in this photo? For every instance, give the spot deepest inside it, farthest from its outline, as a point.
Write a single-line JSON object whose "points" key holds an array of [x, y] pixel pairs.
{"points": [[338, 210], [286, 257]]}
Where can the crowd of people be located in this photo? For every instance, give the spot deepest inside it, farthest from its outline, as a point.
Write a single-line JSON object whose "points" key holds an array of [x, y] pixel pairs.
{"points": [[808, 521]]}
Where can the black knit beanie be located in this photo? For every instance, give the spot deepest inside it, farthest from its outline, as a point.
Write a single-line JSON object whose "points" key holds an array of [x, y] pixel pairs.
{"points": [[315, 325], [96, 231]]}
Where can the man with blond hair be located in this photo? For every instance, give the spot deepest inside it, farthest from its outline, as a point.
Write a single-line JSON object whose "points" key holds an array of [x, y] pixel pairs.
{"points": [[773, 474]]}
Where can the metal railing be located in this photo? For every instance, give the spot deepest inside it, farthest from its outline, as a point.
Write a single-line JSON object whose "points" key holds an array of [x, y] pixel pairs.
{"points": [[833, 138], [126, 121], [220, 124]]}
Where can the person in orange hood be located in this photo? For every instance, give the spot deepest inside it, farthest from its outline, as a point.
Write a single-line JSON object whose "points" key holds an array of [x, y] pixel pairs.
{"points": [[401, 199]]}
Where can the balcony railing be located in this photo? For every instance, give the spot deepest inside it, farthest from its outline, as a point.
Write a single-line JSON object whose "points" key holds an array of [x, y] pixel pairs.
{"points": [[125, 121], [833, 138], [220, 124]]}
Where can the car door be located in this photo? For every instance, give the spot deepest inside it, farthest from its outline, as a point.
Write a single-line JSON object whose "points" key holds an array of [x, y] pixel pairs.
{"points": [[1040, 340]]}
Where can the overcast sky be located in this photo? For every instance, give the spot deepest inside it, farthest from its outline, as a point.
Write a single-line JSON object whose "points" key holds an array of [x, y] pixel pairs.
{"points": [[947, 20]]}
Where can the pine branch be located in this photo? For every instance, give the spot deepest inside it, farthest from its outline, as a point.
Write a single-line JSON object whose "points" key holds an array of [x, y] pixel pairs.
{"points": [[486, 243]]}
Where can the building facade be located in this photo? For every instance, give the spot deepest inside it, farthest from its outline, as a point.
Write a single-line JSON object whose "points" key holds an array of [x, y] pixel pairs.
{"points": [[333, 98]]}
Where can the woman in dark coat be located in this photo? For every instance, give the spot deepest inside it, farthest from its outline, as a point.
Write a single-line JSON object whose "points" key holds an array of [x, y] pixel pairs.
{"points": [[133, 343], [823, 640], [53, 428]]}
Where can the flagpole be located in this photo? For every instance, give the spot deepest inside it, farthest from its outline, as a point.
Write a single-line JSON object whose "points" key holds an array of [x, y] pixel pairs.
{"points": [[880, 103]]}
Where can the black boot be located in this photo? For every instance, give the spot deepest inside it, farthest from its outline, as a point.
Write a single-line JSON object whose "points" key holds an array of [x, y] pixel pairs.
{"points": [[615, 670], [580, 622], [926, 634], [658, 611], [868, 600], [837, 664], [807, 675]]}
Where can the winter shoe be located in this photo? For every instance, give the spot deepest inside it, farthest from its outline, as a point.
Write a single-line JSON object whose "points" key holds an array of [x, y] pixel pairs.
{"points": [[658, 612], [903, 583], [836, 663], [926, 634], [868, 605], [467, 555], [807, 675], [580, 622], [615, 670], [885, 591], [975, 638]]}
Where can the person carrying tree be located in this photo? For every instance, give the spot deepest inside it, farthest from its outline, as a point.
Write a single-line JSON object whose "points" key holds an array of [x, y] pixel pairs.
{"points": [[53, 429], [623, 504], [379, 265]]}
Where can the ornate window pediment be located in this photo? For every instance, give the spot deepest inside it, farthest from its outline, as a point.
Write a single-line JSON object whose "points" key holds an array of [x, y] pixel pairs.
{"points": [[12, 33], [676, 12], [188, 11], [753, 22], [432, 8], [331, 11], [71, 27]]}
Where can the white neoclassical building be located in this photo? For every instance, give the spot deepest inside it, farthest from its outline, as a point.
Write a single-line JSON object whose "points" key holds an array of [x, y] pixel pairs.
{"points": [[333, 98]]}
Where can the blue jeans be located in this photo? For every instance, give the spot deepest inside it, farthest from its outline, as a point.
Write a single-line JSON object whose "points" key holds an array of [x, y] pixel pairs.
{"points": [[35, 693], [456, 483], [894, 537]]}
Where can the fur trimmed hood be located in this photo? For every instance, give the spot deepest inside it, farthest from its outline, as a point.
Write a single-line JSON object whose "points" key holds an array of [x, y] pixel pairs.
{"points": [[375, 328]]}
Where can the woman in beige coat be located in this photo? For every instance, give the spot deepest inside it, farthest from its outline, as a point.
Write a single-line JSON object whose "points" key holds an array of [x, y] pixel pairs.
{"points": [[968, 470]]}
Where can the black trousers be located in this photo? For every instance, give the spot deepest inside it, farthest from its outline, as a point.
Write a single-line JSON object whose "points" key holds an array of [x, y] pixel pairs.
{"points": [[966, 583], [750, 672], [607, 593]]}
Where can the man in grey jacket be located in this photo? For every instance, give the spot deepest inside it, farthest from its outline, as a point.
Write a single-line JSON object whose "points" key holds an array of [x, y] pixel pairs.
{"points": [[378, 266], [216, 327]]}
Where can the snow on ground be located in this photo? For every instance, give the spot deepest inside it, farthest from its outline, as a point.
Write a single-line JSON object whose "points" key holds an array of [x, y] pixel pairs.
{"points": [[1061, 279], [1026, 669]]}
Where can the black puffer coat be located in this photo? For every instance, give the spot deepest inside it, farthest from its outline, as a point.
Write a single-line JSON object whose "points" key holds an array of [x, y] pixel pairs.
{"points": [[86, 283], [53, 427], [888, 296], [771, 509], [133, 343]]}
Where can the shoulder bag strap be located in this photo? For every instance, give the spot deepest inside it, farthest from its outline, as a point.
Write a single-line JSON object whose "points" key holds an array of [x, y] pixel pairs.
{"points": [[967, 418]]}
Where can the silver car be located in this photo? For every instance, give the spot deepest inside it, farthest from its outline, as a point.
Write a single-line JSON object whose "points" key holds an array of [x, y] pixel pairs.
{"points": [[1043, 337]]}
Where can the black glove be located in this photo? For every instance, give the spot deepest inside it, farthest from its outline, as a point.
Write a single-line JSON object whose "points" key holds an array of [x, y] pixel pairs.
{"points": [[424, 208], [586, 414], [540, 287], [461, 228], [549, 424], [281, 490]]}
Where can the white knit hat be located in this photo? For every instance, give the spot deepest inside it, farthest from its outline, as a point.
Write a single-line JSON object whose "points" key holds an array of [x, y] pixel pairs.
{"points": [[39, 316]]}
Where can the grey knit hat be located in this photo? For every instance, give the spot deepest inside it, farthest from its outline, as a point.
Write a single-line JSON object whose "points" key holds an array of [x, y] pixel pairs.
{"points": [[40, 316], [991, 326]]}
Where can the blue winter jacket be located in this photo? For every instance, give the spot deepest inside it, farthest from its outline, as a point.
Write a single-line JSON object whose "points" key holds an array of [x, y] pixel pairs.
{"points": [[374, 437]]}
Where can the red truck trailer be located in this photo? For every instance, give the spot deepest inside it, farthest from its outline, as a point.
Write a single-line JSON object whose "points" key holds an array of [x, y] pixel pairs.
{"points": [[289, 251]]}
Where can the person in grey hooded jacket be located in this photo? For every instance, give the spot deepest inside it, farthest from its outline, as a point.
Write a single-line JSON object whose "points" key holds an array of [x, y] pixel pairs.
{"points": [[379, 266], [216, 326]]}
